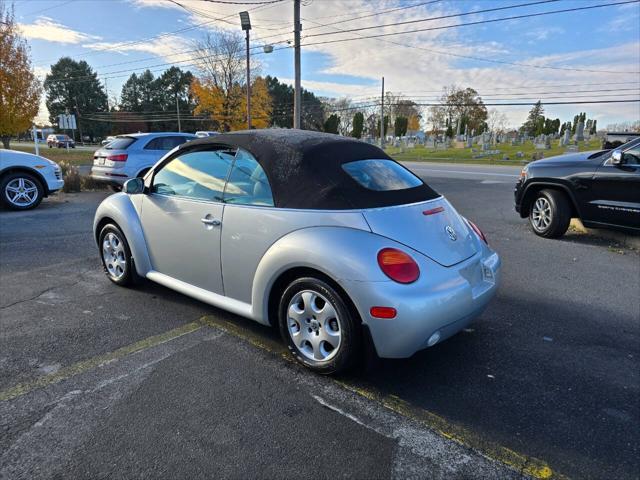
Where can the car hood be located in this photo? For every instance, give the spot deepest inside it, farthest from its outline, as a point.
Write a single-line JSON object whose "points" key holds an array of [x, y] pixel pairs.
{"points": [[423, 227], [563, 160]]}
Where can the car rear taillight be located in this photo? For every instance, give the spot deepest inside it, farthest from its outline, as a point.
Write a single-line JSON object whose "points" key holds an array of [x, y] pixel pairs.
{"points": [[478, 231], [118, 158], [398, 266]]}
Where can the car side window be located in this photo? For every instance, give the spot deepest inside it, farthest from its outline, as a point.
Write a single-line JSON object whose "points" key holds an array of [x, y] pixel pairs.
{"points": [[197, 175], [632, 156], [247, 184], [165, 143]]}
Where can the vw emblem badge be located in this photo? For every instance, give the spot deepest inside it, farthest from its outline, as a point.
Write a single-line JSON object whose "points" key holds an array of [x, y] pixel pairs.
{"points": [[451, 232]]}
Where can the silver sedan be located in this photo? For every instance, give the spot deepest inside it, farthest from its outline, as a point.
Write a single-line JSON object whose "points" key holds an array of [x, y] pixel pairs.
{"points": [[324, 237]]}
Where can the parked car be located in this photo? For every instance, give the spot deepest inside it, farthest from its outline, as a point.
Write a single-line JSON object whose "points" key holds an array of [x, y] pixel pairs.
{"points": [[60, 141], [26, 178], [601, 188], [203, 134], [326, 237], [130, 156]]}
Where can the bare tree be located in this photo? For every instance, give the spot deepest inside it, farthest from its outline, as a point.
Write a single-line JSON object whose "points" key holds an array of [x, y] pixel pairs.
{"points": [[496, 121], [221, 59], [343, 109], [221, 88]]}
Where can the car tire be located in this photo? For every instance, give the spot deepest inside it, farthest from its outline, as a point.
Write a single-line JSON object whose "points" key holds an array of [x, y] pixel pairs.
{"points": [[550, 214], [116, 256], [325, 341], [28, 198]]}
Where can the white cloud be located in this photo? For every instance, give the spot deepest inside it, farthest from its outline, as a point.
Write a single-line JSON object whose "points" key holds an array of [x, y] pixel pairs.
{"points": [[171, 48], [45, 28], [544, 33]]}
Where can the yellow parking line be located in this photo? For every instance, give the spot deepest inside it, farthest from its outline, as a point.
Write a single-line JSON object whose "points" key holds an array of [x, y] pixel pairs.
{"points": [[528, 465], [85, 365]]}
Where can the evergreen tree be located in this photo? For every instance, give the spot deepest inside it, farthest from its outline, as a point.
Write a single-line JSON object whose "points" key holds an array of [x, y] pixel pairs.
{"points": [[313, 110], [400, 126], [73, 87], [332, 124], [535, 120], [358, 125]]}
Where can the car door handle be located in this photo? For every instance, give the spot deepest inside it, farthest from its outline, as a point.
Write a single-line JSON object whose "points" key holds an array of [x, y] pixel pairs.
{"points": [[211, 221]]}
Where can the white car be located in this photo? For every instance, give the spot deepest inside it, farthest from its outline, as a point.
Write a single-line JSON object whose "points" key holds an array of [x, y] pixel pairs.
{"points": [[26, 178], [131, 156], [204, 134]]}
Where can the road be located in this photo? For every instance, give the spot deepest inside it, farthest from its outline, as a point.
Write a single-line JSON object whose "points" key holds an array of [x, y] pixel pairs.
{"points": [[100, 381]]}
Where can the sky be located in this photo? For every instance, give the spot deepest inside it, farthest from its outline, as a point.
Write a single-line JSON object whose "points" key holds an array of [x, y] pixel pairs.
{"points": [[574, 56]]}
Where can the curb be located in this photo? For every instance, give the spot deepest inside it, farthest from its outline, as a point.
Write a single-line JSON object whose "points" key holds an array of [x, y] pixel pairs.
{"points": [[624, 239]]}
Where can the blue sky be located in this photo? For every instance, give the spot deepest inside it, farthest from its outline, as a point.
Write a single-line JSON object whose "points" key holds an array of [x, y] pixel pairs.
{"points": [[416, 65]]}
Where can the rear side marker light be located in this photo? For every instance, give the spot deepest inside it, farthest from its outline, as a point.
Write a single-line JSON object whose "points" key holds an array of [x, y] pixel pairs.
{"points": [[398, 266], [118, 158], [383, 312], [433, 211], [475, 228]]}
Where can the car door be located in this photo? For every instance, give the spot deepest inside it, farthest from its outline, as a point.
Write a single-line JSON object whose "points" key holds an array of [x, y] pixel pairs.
{"points": [[616, 191], [182, 217]]}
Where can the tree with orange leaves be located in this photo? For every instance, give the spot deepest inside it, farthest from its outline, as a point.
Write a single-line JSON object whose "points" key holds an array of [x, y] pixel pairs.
{"points": [[229, 109], [221, 90], [19, 87]]}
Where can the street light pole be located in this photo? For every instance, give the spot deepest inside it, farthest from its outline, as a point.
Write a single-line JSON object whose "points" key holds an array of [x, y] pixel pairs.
{"points": [[297, 96], [246, 26]]}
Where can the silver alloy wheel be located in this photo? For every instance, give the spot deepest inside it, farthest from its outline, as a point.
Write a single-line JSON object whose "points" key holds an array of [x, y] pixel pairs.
{"points": [[314, 326], [21, 192], [541, 214], [114, 256]]}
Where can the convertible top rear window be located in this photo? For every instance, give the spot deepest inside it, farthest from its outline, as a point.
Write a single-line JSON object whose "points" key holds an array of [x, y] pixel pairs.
{"points": [[381, 175]]}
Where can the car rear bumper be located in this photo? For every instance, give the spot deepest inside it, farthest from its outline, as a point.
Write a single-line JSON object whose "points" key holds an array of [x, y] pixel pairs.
{"points": [[431, 309], [108, 175]]}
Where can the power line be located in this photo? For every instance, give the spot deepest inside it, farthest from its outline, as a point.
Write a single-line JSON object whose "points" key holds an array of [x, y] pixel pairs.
{"points": [[378, 36], [442, 17], [231, 2]]}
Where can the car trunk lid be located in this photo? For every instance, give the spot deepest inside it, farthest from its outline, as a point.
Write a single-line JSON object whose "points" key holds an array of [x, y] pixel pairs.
{"points": [[432, 228]]}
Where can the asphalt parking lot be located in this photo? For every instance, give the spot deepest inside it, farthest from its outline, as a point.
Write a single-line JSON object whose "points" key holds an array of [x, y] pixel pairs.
{"points": [[97, 381]]}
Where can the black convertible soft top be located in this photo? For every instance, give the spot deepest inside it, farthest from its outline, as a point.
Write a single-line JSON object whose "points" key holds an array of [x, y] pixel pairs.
{"points": [[304, 168]]}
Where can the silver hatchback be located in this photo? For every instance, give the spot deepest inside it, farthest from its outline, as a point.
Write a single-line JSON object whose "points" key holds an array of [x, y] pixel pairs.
{"points": [[131, 156], [324, 237]]}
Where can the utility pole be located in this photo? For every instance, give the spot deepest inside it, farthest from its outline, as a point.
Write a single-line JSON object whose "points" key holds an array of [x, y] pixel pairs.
{"points": [[178, 112], [382, 116], [248, 85], [245, 23], [79, 124], [297, 97], [106, 90]]}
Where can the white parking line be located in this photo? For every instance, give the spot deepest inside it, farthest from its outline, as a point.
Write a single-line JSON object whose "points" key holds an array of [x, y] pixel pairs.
{"points": [[466, 172]]}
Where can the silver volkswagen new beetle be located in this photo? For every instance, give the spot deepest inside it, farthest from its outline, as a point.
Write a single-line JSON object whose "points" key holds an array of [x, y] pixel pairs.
{"points": [[324, 236]]}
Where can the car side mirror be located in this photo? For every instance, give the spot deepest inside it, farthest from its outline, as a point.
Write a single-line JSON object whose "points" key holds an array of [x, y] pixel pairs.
{"points": [[616, 157], [133, 186]]}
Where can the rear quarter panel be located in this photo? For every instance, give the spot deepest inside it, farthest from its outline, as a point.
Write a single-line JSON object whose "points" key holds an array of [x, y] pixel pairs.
{"points": [[248, 233]]}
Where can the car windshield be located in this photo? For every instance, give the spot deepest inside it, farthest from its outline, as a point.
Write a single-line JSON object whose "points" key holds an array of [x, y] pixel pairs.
{"points": [[120, 143], [381, 175], [62, 137], [625, 146]]}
